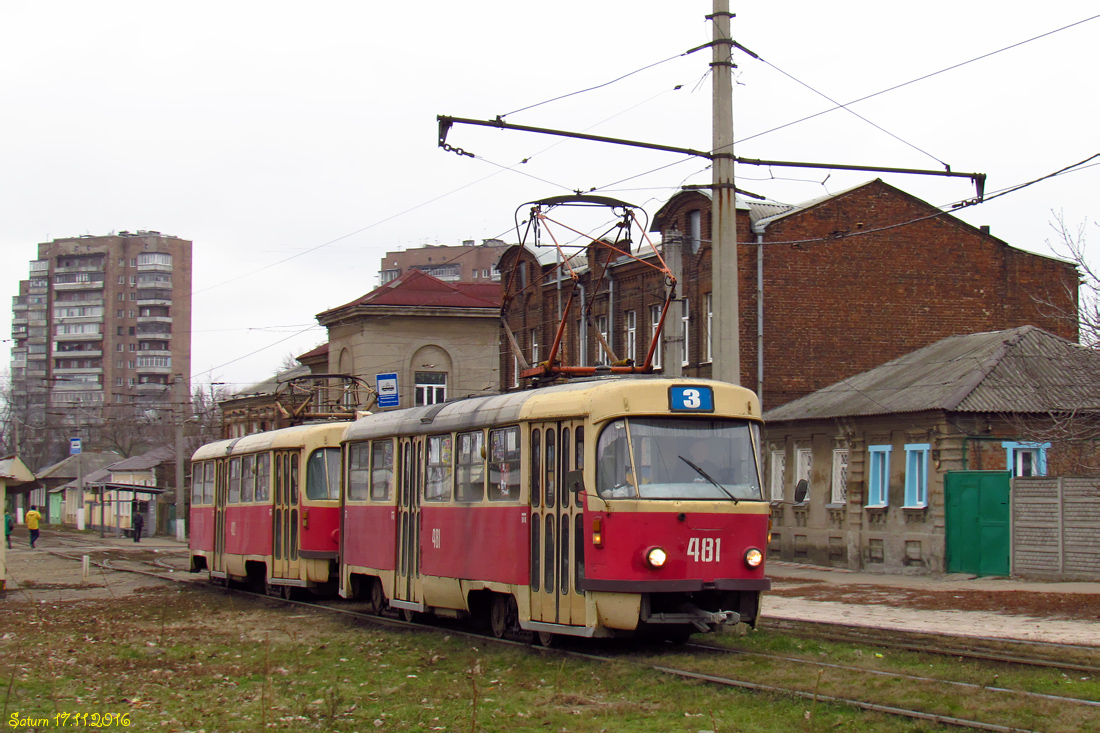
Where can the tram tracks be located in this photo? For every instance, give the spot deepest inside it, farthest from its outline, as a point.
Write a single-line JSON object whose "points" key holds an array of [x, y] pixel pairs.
{"points": [[696, 670]]}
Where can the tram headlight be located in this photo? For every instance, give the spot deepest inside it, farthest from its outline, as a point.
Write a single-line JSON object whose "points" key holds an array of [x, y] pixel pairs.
{"points": [[655, 557], [753, 557]]}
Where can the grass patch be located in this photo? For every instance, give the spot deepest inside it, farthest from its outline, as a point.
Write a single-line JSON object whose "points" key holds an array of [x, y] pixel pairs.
{"points": [[194, 659]]}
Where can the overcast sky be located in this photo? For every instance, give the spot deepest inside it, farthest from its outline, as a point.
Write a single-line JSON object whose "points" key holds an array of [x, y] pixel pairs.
{"points": [[295, 143]]}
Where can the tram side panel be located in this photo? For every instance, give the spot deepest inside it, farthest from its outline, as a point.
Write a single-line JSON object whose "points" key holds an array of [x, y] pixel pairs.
{"points": [[487, 543]]}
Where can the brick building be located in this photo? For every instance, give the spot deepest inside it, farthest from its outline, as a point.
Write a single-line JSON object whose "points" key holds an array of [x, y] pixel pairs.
{"points": [[849, 281], [470, 263]]}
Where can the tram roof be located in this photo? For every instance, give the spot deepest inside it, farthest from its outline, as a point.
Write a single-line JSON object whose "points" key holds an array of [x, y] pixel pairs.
{"points": [[328, 433], [557, 401]]}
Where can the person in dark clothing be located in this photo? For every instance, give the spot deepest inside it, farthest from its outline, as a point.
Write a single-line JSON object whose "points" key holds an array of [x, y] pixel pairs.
{"points": [[139, 524]]}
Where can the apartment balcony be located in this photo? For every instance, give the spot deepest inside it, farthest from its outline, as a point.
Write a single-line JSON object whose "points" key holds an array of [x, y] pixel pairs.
{"points": [[82, 370], [154, 319], [65, 287], [159, 284], [147, 300], [84, 268], [151, 388], [154, 352], [154, 370], [78, 319], [19, 303], [40, 373], [154, 268], [35, 340], [83, 354], [73, 337]]}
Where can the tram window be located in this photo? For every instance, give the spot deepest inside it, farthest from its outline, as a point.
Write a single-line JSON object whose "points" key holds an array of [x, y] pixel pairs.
{"points": [[280, 480], [578, 554], [564, 452], [578, 461], [406, 472], [563, 583], [248, 479], [196, 483], [548, 563], [381, 477], [440, 468], [504, 464], [263, 477], [293, 553], [278, 533], [235, 481], [208, 484], [292, 480], [551, 466], [471, 467], [323, 474], [358, 471], [536, 547], [536, 467]]}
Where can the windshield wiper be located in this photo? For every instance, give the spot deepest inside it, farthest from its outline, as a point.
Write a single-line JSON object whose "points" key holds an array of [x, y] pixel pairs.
{"points": [[706, 475]]}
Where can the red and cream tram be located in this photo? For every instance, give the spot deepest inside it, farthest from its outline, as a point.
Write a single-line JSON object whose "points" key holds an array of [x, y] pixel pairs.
{"points": [[265, 508], [596, 508]]}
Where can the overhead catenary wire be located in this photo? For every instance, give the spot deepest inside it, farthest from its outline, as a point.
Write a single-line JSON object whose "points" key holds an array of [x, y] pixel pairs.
{"points": [[918, 79]]}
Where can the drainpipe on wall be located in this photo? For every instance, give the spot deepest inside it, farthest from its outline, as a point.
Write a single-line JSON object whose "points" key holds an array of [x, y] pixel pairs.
{"points": [[758, 228], [672, 365], [611, 310], [582, 343]]}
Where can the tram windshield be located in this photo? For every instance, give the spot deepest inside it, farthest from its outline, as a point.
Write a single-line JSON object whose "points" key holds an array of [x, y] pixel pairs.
{"points": [[677, 458]]}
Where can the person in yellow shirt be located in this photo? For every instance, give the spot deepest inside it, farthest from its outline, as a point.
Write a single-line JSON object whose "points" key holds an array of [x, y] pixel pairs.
{"points": [[32, 519]]}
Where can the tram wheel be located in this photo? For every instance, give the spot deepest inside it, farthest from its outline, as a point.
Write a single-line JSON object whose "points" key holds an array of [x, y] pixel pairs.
{"points": [[549, 639], [288, 592], [498, 615], [410, 616], [377, 602]]}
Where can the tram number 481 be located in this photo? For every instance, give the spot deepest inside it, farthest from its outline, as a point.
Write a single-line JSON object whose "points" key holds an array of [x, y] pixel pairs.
{"points": [[705, 549], [436, 538]]}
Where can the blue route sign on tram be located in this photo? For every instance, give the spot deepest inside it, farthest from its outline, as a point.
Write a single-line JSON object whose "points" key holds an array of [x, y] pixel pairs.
{"points": [[694, 398]]}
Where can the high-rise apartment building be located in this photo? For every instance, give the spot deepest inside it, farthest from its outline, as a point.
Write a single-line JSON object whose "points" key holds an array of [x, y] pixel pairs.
{"points": [[100, 324]]}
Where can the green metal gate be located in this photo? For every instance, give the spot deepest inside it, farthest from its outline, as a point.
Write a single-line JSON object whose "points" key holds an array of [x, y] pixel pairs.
{"points": [[978, 531]]}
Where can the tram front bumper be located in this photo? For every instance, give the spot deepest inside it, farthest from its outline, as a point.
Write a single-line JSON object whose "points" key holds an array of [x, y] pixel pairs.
{"points": [[697, 617]]}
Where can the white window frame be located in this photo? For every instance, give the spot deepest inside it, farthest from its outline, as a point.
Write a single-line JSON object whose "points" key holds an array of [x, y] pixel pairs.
{"points": [[582, 343], [685, 326], [916, 475], [632, 336], [778, 477], [804, 465], [709, 357], [1015, 453], [534, 346], [601, 326], [425, 393], [878, 476], [654, 322], [839, 493]]}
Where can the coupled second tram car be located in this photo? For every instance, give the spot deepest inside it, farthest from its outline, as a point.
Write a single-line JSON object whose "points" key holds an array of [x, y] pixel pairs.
{"points": [[614, 506]]}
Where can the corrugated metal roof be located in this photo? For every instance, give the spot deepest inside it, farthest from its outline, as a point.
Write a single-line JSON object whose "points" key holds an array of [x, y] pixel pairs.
{"points": [[145, 461], [1020, 370]]}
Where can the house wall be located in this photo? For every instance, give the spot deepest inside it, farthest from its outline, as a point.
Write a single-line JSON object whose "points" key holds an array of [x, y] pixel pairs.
{"points": [[838, 300], [846, 533], [464, 347]]}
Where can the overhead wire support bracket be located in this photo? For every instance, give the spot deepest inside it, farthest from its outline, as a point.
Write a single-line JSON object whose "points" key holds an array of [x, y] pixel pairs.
{"points": [[446, 122]]}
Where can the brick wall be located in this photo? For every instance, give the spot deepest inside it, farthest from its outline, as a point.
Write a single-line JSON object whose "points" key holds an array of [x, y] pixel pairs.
{"points": [[845, 289]]}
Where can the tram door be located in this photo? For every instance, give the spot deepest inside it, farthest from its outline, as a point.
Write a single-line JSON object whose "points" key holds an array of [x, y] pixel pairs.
{"points": [[284, 521], [220, 493], [408, 520], [557, 547]]}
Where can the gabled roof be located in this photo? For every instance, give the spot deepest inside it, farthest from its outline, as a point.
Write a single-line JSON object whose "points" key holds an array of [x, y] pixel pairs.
{"points": [[67, 468], [145, 461], [321, 350], [1019, 370], [419, 289]]}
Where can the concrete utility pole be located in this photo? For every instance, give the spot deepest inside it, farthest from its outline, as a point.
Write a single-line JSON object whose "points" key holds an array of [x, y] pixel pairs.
{"points": [[181, 490], [725, 339]]}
